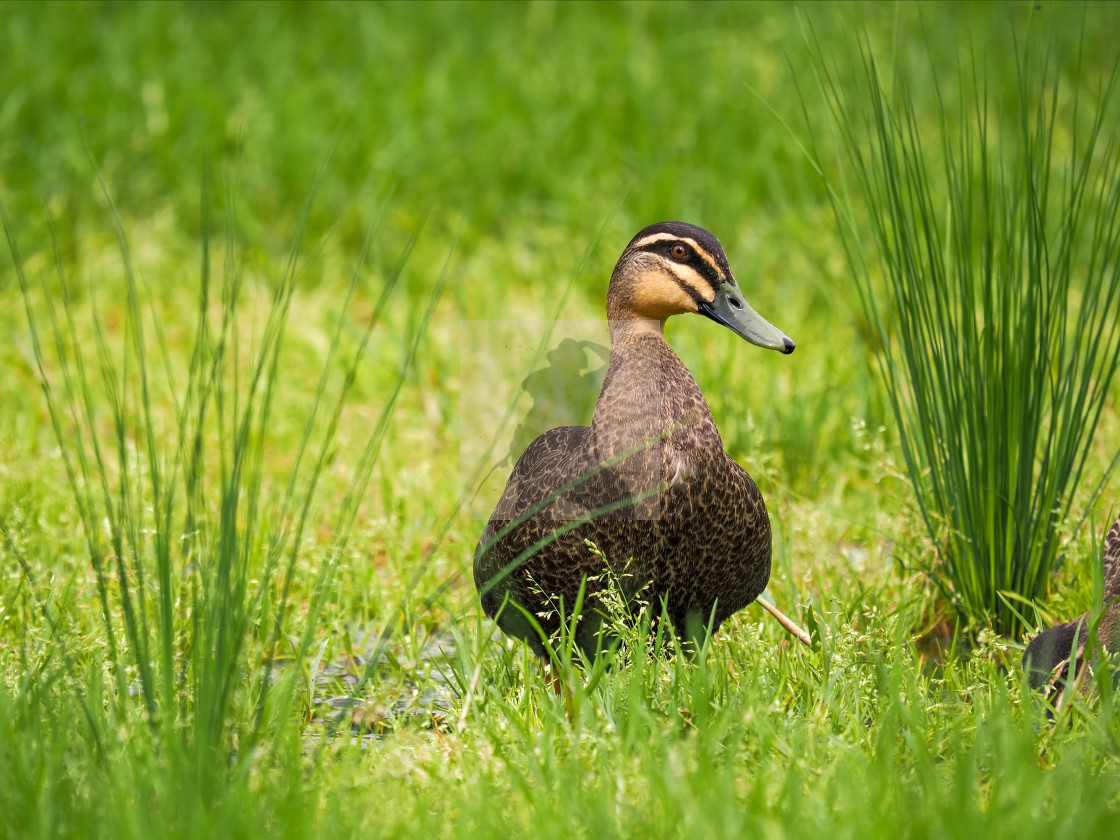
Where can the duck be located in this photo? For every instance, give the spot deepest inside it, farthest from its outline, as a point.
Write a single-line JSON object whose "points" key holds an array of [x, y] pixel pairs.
{"points": [[1047, 658], [645, 499]]}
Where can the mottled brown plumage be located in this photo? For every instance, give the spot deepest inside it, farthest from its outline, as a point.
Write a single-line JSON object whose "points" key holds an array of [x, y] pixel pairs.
{"points": [[648, 482], [1056, 646]]}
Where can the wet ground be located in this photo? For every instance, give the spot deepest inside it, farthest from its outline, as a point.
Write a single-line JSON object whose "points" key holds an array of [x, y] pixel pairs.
{"points": [[377, 684]]}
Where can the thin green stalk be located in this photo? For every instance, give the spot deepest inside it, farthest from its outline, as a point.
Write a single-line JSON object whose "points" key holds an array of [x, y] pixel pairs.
{"points": [[995, 314]]}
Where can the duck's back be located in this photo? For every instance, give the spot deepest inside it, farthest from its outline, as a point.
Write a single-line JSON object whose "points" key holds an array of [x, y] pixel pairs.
{"points": [[1110, 618], [1111, 562]]}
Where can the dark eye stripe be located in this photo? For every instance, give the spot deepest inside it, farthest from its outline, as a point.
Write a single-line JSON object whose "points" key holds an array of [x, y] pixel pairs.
{"points": [[702, 261], [695, 261], [695, 258]]}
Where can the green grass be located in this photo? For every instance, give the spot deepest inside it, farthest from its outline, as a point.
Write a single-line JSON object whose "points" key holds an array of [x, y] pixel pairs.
{"points": [[995, 235], [302, 653]]}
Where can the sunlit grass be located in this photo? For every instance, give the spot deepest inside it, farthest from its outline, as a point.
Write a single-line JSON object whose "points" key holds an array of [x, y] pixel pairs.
{"points": [[997, 235], [194, 551], [290, 485]]}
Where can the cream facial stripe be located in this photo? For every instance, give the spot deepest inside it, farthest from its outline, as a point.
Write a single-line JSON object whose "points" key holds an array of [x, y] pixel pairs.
{"points": [[688, 277], [665, 237], [662, 237]]}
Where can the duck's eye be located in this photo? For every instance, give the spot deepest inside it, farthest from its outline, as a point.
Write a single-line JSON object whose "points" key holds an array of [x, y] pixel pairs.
{"points": [[680, 252]]}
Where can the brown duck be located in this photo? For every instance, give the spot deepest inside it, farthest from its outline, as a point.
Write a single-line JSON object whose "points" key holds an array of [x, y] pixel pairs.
{"points": [[1047, 657], [648, 482]]}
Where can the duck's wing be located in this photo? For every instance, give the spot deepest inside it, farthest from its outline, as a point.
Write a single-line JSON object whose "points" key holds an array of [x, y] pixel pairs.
{"points": [[550, 462], [531, 555]]}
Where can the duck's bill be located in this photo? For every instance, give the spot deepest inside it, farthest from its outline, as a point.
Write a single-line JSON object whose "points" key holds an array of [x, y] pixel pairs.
{"points": [[731, 309]]}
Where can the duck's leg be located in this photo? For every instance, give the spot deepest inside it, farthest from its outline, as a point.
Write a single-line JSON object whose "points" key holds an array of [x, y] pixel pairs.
{"points": [[551, 677], [787, 623], [560, 687]]}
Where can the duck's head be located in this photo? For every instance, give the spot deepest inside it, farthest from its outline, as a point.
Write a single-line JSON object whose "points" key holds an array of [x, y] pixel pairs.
{"points": [[671, 268], [1051, 647]]}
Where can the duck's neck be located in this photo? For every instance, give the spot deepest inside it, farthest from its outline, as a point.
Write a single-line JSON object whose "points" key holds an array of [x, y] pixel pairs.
{"points": [[627, 329], [647, 394], [627, 430]]}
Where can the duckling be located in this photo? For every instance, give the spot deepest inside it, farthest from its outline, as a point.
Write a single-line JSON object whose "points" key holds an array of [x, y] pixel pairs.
{"points": [[1053, 649], [648, 482]]}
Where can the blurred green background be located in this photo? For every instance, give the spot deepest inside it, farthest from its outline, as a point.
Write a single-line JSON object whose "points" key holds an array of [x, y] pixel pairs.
{"points": [[550, 132], [524, 144]]}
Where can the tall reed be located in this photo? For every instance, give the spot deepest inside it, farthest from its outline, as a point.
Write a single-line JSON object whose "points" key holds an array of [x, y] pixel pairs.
{"points": [[195, 553], [986, 251]]}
